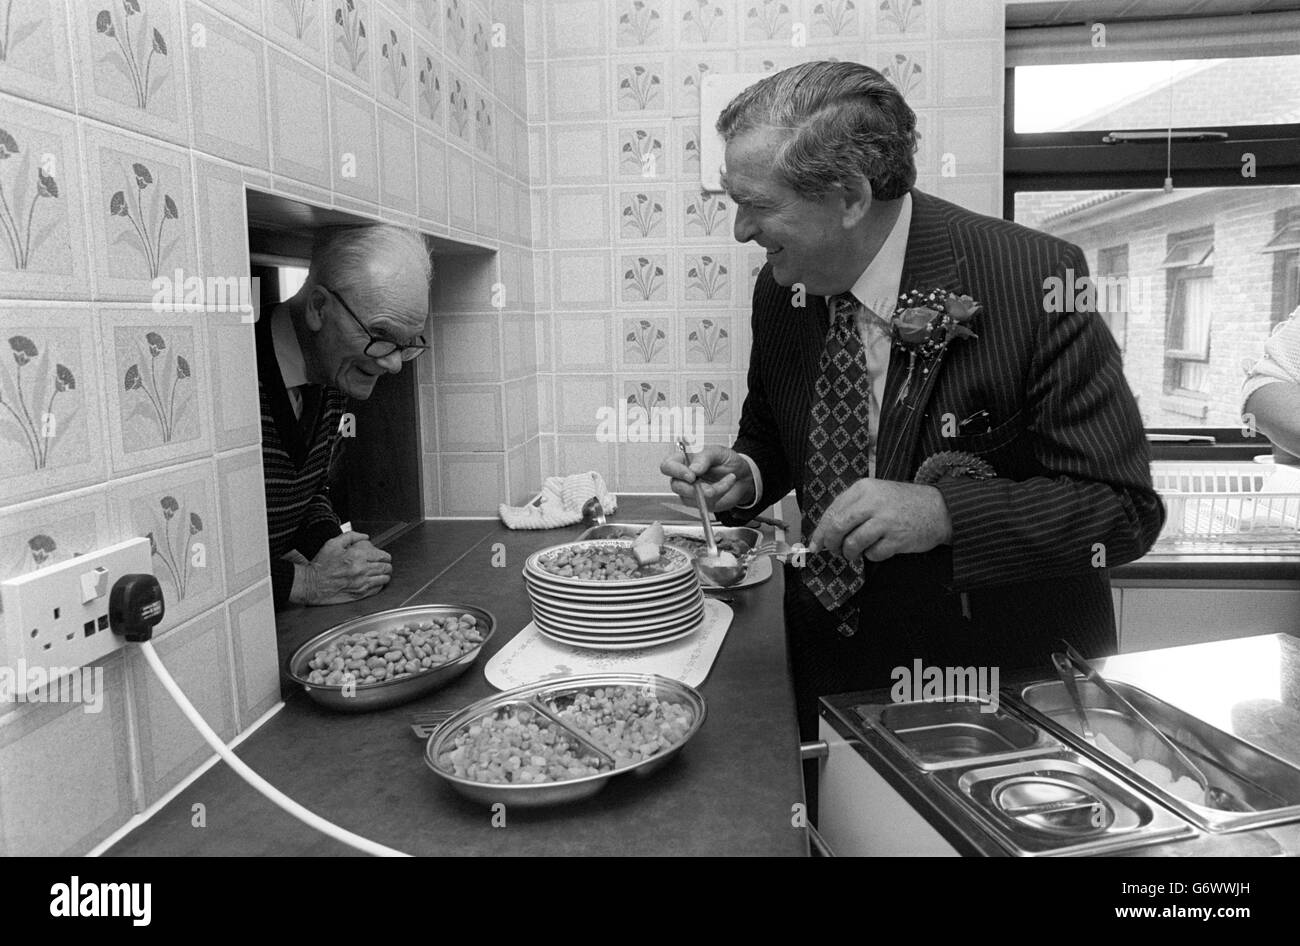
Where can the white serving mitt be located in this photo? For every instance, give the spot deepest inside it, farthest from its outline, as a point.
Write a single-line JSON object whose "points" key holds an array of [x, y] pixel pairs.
{"points": [[559, 503]]}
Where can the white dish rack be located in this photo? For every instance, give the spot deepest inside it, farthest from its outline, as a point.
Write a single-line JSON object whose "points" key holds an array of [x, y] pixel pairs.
{"points": [[1228, 507]]}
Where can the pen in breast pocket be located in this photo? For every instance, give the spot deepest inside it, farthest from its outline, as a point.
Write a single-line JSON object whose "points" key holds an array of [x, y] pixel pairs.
{"points": [[981, 422]]}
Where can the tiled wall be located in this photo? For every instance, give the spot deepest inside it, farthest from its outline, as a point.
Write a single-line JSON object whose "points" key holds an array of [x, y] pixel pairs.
{"points": [[641, 290], [130, 131]]}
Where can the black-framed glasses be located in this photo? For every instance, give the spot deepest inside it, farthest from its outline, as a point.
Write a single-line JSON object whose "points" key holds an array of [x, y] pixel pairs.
{"points": [[382, 347]]}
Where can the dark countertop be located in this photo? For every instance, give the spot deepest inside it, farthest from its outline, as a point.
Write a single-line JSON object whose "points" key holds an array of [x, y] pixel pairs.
{"points": [[730, 791]]}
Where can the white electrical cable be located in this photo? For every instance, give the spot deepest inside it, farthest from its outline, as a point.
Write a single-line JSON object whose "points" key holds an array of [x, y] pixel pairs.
{"points": [[252, 778]]}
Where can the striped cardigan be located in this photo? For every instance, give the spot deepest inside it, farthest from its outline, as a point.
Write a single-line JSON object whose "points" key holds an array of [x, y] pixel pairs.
{"points": [[296, 470], [1030, 549]]}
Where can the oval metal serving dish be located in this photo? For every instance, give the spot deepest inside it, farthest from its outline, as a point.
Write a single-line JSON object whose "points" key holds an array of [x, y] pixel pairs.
{"points": [[372, 696], [539, 695]]}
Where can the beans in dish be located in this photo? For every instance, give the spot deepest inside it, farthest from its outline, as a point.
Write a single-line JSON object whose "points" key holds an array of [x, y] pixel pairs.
{"points": [[377, 656], [603, 563]]}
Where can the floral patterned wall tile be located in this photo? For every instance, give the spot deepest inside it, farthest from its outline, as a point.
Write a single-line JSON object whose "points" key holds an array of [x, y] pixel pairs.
{"points": [[641, 152], [685, 163], [176, 509], [909, 68], [141, 213], [301, 27], [426, 17], [646, 341], [644, 278], [397, 178], [51, 426], [65, 774], [714, 397], [394, 67], [481, 50], [906, 17], [703, 216], [708, 278], [708, 340], [355, 140], [352, 35], [837, 19], [227, 80], [460, 114], [37, 534], [688, 74], [236, 410], [129, 65], [455, 26], [430, 88], [300, 134], [771, 22], [640, 85], [431, 165], [43, 248], [160, 393], [705, 22], [242, 493], [35, 61], [648, 393], [485, 132], [642, 23], [643, 214], [198, 656], [251, 618]]}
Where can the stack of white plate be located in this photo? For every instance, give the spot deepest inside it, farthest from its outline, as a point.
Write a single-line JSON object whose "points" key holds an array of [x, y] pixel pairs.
{"points": [[663, 604]]}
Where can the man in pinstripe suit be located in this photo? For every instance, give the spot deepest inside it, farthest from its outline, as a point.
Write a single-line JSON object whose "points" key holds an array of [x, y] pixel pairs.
{"points": [[968, 572]]}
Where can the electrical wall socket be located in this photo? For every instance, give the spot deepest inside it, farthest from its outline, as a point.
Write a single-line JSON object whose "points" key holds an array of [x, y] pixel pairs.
{"points": [[58, 616]]}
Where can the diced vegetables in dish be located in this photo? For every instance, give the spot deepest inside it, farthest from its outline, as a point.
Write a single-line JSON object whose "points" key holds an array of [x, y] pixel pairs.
{"points": [[377, 656], [629, 723], [519, 746]]}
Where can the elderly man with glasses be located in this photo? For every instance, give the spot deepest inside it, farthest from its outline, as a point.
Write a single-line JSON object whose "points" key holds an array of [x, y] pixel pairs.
{"points": [[360, 314]]}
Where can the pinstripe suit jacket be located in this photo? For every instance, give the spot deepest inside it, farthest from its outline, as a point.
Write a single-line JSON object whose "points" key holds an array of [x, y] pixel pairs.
{"points": [[1066, 440]]}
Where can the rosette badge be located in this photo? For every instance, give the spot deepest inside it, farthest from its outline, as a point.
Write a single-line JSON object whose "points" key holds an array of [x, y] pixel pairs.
{"points": [[925, 323]]}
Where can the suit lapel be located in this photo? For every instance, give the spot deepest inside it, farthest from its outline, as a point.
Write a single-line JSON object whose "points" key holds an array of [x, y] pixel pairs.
{"points": [[815, 323], [930, 263]]}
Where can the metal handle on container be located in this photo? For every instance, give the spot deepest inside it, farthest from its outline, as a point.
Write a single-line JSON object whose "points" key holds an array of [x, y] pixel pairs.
{"points": [[814, 750]]}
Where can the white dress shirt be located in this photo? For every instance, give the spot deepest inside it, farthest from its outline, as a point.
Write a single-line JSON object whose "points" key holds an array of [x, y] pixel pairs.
{"points": [[288, 355], [877, 289]]}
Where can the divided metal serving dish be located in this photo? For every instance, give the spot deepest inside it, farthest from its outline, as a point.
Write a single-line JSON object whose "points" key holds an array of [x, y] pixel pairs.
{"points": [[538, 697], [1023, 773]]}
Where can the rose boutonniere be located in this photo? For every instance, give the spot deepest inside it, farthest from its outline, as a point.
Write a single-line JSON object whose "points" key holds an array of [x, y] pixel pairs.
{"points": [[924, 324], [948, 463]]}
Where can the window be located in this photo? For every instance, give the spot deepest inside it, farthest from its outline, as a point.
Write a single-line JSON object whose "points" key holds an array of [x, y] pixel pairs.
{"points": [[1190, 290], [1112, 265], [1171, 157], [1285, 247]]}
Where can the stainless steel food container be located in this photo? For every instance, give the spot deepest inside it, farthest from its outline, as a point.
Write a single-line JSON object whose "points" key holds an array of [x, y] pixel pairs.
{"points": [[537, 694], [372, 696]]}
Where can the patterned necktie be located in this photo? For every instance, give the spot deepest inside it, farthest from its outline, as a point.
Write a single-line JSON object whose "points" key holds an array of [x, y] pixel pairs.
{"points": [[839, 442]]}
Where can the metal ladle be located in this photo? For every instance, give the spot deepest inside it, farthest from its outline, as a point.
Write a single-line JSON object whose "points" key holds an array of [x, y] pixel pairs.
{"points": [[724, 576]]}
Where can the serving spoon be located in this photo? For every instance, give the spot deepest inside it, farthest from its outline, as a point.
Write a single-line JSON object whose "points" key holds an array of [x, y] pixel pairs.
{"points": [[724, 576]]}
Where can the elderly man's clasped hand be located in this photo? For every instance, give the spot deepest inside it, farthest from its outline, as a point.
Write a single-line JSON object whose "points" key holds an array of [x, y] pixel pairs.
{"points": [[878, 519], [347, 568]]}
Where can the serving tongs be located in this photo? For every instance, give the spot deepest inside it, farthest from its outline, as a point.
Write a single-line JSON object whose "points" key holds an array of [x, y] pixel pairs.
{"points": [[1065, 666]]}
